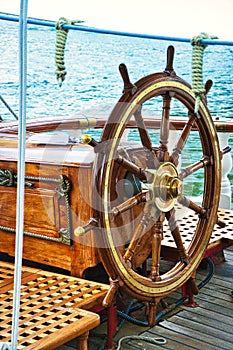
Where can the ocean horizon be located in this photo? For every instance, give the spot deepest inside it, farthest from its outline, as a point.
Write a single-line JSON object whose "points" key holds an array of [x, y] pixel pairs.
{"points": [[93, 80], [93, 83]]}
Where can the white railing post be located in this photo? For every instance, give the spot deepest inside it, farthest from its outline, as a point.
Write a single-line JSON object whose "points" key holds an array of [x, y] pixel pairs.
{"points": [[225, 195]]}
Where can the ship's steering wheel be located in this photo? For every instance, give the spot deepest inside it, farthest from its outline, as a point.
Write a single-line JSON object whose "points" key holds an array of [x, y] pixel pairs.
{"points": [[138, 188]]}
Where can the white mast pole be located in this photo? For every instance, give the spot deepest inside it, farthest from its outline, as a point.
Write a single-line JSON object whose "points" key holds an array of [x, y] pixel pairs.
{"points": [[21, 169]]}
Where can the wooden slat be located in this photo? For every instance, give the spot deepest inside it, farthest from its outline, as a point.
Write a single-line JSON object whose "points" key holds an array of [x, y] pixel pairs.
{"points": [[211, 319], [175, 340], [204, 329], [195, 338], [79, 122]]}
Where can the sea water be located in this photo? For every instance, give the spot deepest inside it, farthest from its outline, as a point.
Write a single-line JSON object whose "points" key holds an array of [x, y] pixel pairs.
{"points": [[93, 84]]}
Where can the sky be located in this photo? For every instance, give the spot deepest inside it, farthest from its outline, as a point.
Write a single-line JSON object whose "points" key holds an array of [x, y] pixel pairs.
{"points": [[182, 18]]}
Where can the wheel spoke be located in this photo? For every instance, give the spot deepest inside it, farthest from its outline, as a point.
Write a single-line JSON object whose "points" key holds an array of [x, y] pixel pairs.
{"points": [[182, 140], [151, 159], [131, 167], [175, 231], [129, 203], [145, 138], [156, 240], [164, 127], [198, 209], [138, 233], [194, 167], [188, 203]]}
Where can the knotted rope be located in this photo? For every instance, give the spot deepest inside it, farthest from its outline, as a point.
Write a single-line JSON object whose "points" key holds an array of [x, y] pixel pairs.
{"points": [[60, 47], [197, 63]]}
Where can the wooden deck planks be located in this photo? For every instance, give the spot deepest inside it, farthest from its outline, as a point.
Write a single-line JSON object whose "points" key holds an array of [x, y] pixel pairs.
{"points": [[177, 339], [209, 326], [204, 316], [189, 336], [205, 332], [209, 318]]}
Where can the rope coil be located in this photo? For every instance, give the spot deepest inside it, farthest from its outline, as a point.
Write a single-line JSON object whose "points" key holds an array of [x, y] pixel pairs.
{"points": [[197, 66], [61, 39], [151, 340]]}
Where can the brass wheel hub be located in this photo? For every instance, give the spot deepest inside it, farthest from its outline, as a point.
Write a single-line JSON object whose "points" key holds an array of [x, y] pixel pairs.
{"points": [[165, 186]]}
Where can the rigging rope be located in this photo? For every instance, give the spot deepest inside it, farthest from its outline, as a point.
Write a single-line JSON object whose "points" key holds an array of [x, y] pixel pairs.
{"points": [[197, 67], [60, 47], [8, 107]]}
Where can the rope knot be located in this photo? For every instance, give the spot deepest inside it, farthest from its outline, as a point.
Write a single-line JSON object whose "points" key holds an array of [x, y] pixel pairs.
{"points": [[7, 178], [61, 22], [196, 40], [197, 63], [60, 47], [65, 186]]}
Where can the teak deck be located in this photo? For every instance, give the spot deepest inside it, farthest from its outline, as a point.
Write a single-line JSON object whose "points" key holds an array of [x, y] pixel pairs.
{"points": [[208, 326], [50, 308]]}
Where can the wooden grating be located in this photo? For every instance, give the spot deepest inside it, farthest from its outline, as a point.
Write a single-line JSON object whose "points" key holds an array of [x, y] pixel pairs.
{"points": [[46, 328], [50, 313], [187, 226]]}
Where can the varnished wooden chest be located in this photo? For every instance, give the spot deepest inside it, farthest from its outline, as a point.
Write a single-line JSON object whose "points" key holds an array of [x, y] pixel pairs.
{"points": [[57, 200]]}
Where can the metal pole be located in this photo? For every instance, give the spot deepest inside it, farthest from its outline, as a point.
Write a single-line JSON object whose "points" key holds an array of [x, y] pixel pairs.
{"points": [[84, 28], [21, 169]]}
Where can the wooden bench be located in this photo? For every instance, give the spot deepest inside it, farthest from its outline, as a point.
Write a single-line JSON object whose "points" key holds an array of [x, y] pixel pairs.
{"points": [[51, 310]]}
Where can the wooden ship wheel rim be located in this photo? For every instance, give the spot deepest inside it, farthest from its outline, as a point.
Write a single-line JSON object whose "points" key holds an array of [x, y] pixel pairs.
{"points": [[137, 285]]}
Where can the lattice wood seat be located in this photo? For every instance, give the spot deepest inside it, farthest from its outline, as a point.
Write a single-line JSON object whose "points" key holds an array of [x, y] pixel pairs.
{"points": [[50, 313]]}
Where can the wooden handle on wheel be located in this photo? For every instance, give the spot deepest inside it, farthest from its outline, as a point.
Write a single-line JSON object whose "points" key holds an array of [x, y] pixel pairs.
{"points": [[114, 285], [128, 86], [170, 57]]}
